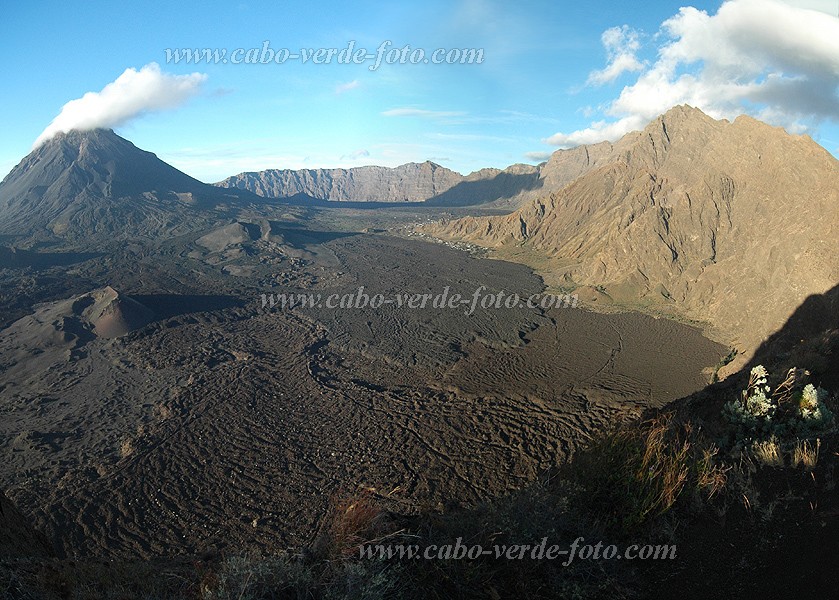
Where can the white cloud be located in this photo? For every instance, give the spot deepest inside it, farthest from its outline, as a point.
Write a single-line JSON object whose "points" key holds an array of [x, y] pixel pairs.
{"points": [[132, 94], [621, 44], [826, 6], [597, 132], [425, 114], [346, 87], [776, 61]]}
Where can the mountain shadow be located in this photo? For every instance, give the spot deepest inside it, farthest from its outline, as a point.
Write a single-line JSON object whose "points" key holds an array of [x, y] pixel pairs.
{"points": [[166, 306], [17, 538], [16, 258], [809, 339]]}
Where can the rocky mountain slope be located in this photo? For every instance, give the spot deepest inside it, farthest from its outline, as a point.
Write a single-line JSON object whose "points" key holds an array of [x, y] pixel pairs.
{"points": [[94, 182], [729, 223]]}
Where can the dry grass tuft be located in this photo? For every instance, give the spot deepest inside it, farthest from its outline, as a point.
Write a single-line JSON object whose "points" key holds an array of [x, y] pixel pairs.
{"points": [[357, 520], [711, 476], [806, 454], [768, 453], [636, 472]]}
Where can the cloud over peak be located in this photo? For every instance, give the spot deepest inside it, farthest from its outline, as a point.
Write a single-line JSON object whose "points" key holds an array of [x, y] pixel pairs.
{"points": [[770, 59], [132, 94]]}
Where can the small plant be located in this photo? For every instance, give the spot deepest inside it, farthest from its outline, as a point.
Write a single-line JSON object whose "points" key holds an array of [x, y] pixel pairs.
{"points": [[126, 448], [254, 577], [752, 414], [814, 413], [791, 410], [726, 360]]}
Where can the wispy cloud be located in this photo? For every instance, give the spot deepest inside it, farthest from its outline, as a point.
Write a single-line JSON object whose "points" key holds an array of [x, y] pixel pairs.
{"points": [[346, 87], [356, 155], [776, 61], [222, 92], [422, 113], [469, 137], [132, 94], [215, 162], [499, 117]]}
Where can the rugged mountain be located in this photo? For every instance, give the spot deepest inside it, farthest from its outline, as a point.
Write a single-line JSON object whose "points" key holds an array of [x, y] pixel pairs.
{"points": [[94, 182], [729, 223], [507, 187]]}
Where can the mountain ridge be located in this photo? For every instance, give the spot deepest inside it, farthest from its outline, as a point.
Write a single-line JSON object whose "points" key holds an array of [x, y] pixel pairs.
{"points": [[423, 182], [410, 182]]}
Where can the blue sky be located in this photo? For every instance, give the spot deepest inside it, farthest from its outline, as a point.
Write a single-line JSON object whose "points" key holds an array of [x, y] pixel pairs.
{"points": [[554, 74]]}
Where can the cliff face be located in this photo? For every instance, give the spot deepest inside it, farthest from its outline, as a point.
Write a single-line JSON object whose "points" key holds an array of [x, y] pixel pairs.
{"points": [[412, 182], [734, 224], [424, 182]]}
